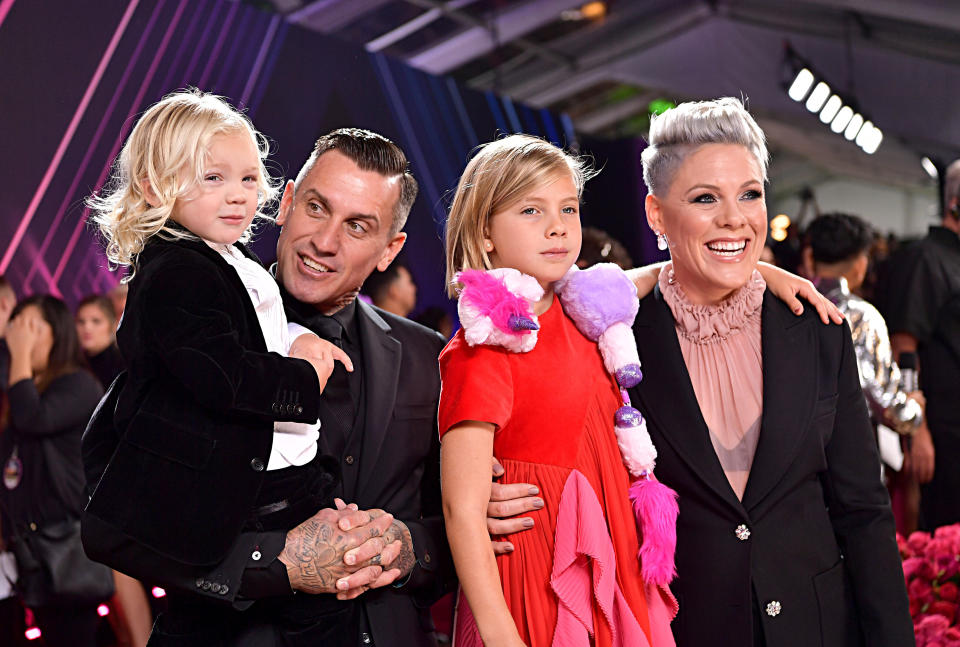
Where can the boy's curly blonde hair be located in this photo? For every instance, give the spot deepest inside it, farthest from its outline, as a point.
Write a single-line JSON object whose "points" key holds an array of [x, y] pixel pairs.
{"points": [[166, 152]]}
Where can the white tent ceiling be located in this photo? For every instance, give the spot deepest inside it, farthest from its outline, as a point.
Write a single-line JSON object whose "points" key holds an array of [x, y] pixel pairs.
{"points": [[899, 59]]}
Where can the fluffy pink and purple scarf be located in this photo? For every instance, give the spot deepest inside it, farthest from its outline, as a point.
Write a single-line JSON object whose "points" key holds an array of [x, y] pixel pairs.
{"points": [[496, 308]]}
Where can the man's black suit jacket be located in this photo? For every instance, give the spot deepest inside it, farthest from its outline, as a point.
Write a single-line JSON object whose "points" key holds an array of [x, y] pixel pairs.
{"points": [[819, 537], [399, 467]]}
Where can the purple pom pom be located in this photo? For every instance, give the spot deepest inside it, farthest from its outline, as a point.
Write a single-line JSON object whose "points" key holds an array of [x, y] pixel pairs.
{"points": [[628, 417], [629, 376]]}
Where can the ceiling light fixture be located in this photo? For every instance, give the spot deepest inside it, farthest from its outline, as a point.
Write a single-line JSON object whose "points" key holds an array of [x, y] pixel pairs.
{"points": [[843, 117], [818, 97], [801, 85], [830, 109], [850, 132], [840, 114]]}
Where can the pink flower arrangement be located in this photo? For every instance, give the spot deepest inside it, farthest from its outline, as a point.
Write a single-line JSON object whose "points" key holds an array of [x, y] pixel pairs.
{"points": [[931, 570]]}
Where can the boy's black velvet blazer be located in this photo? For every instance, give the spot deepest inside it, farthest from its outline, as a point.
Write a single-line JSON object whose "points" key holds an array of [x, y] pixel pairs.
{"points": [[194, 418]]}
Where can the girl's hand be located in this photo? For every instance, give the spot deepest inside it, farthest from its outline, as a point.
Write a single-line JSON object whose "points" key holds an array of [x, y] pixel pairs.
{"points": [[321, 354], [787, 287]]}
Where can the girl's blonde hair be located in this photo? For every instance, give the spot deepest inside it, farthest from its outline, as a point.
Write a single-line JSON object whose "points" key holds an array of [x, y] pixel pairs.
{"points": [[167, 150], [501, 173]]}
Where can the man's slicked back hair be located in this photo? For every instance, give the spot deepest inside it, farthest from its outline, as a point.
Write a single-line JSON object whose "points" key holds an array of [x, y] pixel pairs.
{"points": [[370, 152]]}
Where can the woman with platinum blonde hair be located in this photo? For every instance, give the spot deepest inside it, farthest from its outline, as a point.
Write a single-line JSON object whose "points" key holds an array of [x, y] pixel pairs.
{"points": [[785, 535]]}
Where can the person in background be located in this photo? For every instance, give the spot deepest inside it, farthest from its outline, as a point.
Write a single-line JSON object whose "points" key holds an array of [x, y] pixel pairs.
{"points": [[600, 247], [393, 289], [8, 300], [923, 307], [436, 318], [97, 331], [838, 253], [118, 297], [50, 400], [11, 612]]}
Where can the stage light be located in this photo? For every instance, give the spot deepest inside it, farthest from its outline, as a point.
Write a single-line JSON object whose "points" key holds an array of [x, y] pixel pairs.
{"points": [[930, 167], [841, 120], [158, 592], [872, 142], [830, 109], [103, 610], [833, 108], [594, 10], [801, 85], [32, 633], [660, 106], [865, 134], [853, 127], [781, 221], [818, 97]]}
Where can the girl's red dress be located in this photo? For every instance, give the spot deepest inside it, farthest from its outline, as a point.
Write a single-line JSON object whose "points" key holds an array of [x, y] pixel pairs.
{"points": [[553, 408]]}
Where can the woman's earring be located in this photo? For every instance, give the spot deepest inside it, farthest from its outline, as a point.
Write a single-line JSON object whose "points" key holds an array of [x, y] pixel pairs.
{"points": [[661, 241], [488, 246]]}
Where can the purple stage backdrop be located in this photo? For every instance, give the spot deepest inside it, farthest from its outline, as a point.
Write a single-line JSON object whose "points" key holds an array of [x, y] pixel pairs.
{"points": [[74, 78]]}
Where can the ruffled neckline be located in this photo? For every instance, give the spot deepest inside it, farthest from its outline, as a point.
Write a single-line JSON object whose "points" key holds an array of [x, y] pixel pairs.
{"points": [[704, 324]]}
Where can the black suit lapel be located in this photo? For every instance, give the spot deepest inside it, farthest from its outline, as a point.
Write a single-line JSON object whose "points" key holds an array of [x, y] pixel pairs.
{"points": [[789, 394], [668, 400], [381, 373]]}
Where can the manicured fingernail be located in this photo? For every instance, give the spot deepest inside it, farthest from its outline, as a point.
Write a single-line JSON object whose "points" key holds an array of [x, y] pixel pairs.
{"points": [[342, 585], [528, 523], [534, 490], [350, 559], [508, 548], [538, 503]]}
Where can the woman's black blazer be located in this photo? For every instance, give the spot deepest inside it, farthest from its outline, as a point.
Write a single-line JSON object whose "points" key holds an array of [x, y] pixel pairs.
{"points": [[812, 543], [196, 411]]}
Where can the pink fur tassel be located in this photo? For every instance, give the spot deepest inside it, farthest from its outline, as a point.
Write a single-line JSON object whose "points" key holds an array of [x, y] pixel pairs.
{"points": [[655, 506]]}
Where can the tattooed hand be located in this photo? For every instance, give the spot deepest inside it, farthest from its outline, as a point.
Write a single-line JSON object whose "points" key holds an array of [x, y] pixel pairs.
{"points": [[397, 560], [338, 550]]}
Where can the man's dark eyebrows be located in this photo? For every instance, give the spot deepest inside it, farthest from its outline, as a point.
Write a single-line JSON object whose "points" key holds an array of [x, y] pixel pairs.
{"points": [[312, 195]]}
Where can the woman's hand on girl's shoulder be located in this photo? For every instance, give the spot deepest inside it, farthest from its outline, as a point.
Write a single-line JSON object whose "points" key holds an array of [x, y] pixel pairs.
{"points": [[645, 278], [787, 287]]}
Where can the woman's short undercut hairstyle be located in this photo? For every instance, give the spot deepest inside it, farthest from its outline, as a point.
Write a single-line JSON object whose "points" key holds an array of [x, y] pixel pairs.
{"points": [[168, 149], [501, 173], [680, 131]]}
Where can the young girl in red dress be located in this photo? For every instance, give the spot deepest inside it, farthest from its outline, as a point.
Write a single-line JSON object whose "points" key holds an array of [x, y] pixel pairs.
{"points": [[546, 408]]}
